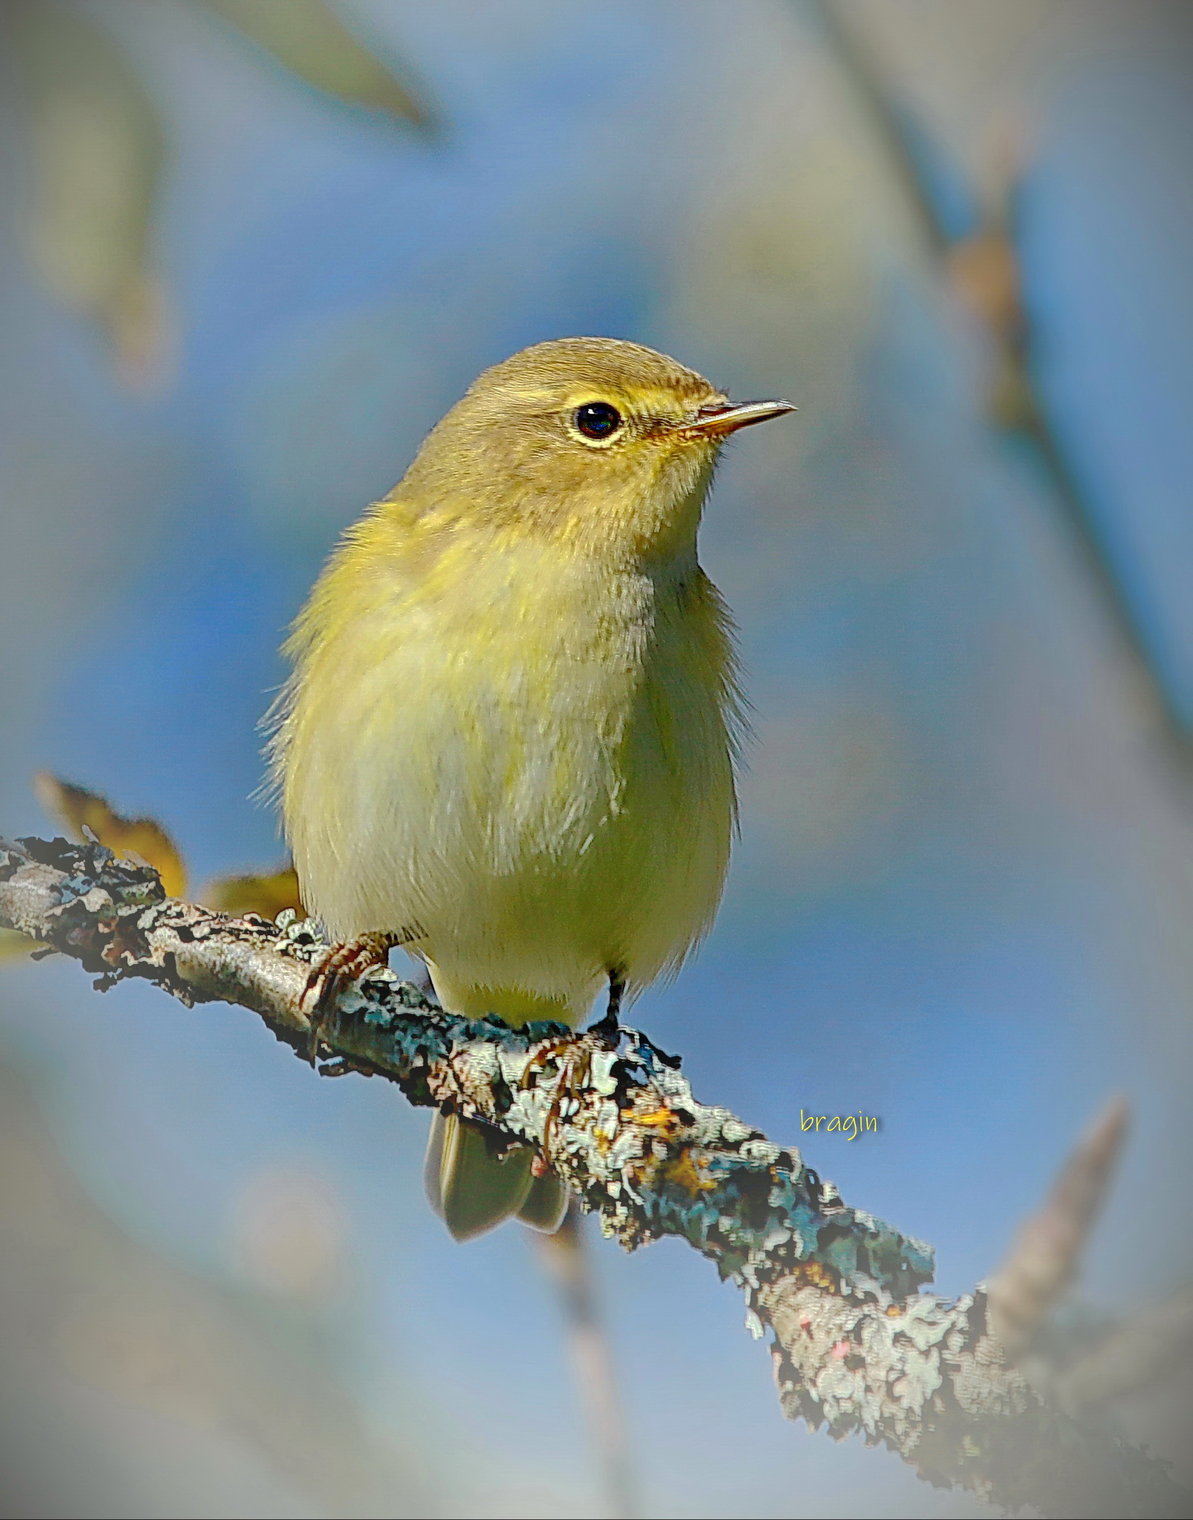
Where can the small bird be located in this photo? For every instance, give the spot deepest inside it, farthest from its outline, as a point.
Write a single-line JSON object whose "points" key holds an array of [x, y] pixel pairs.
{"points": [[509, 737]]}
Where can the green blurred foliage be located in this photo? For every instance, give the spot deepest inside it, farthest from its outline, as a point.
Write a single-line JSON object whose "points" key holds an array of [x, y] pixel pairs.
{"points": [[308, 39], [100, 156]]}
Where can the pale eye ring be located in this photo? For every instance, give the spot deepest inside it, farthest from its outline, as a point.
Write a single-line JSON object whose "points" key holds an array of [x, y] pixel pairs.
{"points": [[597, 419]]}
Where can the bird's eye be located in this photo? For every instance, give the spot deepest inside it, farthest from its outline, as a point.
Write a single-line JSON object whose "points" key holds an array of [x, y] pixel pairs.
{"points": [[597, 419]]}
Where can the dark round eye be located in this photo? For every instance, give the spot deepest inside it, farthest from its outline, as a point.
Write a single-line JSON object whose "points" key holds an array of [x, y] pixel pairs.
{"points": [[597, 419]]}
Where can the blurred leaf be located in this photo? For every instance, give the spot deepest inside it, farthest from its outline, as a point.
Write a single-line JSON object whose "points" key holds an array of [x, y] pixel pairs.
{"points": [[266, 895], [98, 156], [14, 945], [984, 270], [308, 39], [79, 810]]}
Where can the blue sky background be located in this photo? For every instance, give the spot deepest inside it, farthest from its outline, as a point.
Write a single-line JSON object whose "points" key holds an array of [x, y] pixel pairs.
{"points": [[962, 896]]}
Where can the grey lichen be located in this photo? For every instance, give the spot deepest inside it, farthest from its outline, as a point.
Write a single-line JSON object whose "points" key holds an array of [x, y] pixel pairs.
{"points": [[857, 1345]]}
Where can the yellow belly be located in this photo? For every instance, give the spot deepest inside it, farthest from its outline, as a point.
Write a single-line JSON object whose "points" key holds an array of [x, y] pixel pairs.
{"points": [[528, 763]]}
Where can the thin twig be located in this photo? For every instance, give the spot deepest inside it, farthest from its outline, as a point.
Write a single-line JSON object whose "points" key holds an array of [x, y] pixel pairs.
{"points": [[565, 1258], [1014, 402], [1044, 1258]]}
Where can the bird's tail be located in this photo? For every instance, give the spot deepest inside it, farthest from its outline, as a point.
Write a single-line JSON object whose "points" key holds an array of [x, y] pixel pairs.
{"points": [[472, 1189]]}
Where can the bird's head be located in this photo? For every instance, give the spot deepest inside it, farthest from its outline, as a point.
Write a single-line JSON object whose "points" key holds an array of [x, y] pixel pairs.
{"points": [[594, 442]]}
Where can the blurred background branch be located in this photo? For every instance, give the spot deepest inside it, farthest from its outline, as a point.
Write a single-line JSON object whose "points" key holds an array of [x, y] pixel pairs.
{"points": [[566, 1257], [974, 239], [1026, 1289]]}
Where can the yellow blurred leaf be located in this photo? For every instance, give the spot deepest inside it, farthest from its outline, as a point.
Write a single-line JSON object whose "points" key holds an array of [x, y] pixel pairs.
{"points": [[79, 810], [307, 38], [15, 946], [266, 895], [984, 270], [98, 154]]}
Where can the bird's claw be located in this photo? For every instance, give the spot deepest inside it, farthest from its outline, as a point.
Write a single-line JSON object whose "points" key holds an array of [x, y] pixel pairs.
{"points": [[343, 964]]}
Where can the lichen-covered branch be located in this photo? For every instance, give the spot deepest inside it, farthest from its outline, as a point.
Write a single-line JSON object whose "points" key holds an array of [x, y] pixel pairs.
{"points": [[857, 1345]]}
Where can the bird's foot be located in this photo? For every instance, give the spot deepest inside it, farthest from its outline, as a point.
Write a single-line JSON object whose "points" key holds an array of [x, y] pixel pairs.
{"points": [[342, 964], [574, 1059], [574, 1056]]}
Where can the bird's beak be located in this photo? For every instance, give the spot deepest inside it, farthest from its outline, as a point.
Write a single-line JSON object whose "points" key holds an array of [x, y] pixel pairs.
{"points": [[727, 418]]}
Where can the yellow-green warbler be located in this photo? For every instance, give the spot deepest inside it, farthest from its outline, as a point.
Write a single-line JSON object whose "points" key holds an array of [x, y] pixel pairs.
{"points": [[509, 736]]}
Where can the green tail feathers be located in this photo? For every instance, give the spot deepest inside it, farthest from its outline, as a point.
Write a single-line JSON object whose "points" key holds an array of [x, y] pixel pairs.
{"points": [[545, 1204], [471, 1189]]}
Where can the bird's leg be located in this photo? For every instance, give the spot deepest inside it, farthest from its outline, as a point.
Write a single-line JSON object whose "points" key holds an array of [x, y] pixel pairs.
{"points": [[608, 1029], [343, 963]]}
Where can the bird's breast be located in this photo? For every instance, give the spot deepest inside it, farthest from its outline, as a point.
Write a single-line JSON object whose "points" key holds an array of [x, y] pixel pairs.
{"points": [[531, 760]]}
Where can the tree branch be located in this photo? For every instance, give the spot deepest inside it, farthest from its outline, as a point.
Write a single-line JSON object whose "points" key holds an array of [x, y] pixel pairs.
{"points": [[982, 263], [1044, 1259], [857, 1346]]}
